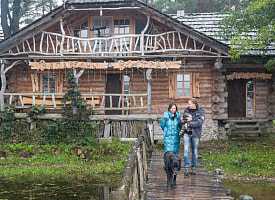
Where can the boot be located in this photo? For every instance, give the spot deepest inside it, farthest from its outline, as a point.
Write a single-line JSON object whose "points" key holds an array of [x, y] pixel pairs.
{"points": [[186, 171], [193, 170]]}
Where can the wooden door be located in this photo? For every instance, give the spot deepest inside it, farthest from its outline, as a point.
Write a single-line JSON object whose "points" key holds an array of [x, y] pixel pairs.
{"points": [[236, 98], [113, 86]]}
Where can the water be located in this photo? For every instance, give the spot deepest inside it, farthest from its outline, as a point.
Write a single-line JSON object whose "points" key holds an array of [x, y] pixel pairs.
{"points": [[59, 189], [257, 190]]}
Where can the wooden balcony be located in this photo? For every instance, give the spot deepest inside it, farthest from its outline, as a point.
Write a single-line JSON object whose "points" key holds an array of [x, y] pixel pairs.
{"points": [[54, 44]]}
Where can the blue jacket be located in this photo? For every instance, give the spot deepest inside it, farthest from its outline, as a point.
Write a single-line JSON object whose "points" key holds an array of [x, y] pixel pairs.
{"points": [[171, 128], [198, 117]]}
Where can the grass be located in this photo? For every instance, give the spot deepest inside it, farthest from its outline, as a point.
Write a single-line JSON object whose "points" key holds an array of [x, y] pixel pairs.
{"points": [[241, 158], [64, 161], [238, 158]]}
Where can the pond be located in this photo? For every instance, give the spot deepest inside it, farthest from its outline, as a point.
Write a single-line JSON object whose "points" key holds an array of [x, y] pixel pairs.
{"points": [[257, 190], [87, 188]]}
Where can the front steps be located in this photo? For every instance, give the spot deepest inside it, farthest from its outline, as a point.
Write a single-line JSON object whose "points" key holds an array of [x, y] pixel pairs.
{"points": [[248, 128]]}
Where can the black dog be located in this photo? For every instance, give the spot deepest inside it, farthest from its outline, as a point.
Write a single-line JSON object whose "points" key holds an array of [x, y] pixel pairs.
{"points": [[172, 166]]}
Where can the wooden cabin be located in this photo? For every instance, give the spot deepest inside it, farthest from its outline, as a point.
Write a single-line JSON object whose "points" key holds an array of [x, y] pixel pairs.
{"points": [[131, 61]]}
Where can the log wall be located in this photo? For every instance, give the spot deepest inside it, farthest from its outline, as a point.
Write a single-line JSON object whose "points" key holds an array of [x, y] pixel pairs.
{"points": [[212, 83], [260, 99]]}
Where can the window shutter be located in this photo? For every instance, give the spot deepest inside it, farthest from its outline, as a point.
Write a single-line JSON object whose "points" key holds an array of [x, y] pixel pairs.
{"points": [[35, 82], [171, 86], [59, 83], [195, 85]]}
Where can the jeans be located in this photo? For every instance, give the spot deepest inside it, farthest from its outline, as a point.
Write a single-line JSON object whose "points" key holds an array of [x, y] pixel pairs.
{"points": [[194, 142]]}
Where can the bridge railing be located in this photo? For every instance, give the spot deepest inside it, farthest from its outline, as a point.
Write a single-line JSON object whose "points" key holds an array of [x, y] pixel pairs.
{"points": [[132, 185]]}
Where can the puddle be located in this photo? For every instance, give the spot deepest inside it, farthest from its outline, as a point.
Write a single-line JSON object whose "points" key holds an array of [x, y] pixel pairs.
{"points": [[259, 190]]}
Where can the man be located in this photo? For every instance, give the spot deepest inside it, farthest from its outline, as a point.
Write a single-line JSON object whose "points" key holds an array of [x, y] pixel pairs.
{"points": [[192, 134]]}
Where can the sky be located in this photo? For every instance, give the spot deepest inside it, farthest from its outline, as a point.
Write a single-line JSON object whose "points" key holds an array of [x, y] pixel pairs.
{"points": [[59, 2]]}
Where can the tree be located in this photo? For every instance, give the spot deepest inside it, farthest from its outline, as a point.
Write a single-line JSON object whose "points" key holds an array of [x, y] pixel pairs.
{"points": [[16, 12], [251, 29], [10, 16], [196, 6], [169, 6]]}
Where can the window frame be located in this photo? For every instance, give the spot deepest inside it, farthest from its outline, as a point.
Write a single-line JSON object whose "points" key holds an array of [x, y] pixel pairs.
{"points": [[194, 85], [252, 100], [58, 82]]}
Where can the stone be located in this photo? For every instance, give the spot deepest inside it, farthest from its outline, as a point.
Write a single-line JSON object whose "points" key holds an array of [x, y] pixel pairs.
{"points": [[25, 154], [105, 140], [42, 151], [218, 171], [245, 197]]}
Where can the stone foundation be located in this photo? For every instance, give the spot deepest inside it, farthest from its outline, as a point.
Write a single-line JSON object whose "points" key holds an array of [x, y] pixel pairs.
{"points": [[211, 131]]}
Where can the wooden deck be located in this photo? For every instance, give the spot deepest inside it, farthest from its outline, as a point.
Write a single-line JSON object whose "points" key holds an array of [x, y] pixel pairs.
{"points": [[202, 186]]}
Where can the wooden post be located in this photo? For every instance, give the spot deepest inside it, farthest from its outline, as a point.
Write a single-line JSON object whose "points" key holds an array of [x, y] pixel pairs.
{"points": [[149, 89], [140, 169], [77, 76], [142, 36], [4, 81], [63, 37]]}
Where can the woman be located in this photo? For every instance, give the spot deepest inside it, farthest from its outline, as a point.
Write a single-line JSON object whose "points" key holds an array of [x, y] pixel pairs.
{"points": [[171, 128]]}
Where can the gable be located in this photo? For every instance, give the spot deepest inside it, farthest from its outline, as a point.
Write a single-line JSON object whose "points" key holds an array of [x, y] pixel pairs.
{"points": [[55, 34]]}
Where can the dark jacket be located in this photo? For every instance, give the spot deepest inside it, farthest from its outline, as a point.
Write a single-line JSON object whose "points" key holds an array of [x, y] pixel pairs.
{"points": [[171, 129], [198, 117]]}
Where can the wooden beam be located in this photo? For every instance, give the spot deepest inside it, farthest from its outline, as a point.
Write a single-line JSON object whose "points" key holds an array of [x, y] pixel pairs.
{"points": [[141, 117], [149, 89]]}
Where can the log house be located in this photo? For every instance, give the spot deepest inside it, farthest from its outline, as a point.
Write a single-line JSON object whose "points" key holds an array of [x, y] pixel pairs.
{"points": [[132, 61]]}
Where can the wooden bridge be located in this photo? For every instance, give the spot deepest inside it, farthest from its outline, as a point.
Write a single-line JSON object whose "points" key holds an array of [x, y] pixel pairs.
{"points": [[201, 186]]}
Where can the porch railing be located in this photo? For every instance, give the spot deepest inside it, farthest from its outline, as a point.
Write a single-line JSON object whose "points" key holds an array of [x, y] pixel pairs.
{"points": [[48, 43], [97, 101]]}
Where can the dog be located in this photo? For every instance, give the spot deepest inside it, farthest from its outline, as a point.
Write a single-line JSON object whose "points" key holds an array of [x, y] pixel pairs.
{"points": [[172, 167], [184, 120]]}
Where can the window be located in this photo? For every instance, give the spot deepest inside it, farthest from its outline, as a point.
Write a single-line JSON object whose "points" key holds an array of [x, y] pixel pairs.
{"points": [[51, 83], [183, 85], [81, 31], [250, 98], [101, 27], [122, 27], [48, 83]]}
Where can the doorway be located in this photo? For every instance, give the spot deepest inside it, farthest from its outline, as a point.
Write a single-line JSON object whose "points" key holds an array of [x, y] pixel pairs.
{"points": [[113, 86], [236, 98]]}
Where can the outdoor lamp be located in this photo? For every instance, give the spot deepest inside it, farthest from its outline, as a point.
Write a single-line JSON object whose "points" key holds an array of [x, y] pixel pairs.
{"points": [[218, 63]]}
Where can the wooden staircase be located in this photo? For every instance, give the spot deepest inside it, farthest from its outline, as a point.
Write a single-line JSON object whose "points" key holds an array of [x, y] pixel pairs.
{"points": [[248, 128]]}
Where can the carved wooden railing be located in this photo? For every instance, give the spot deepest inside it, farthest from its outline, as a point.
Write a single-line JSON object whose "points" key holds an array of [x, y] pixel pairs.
{"points": [[134, 175], [97, 101], [57, 44]]}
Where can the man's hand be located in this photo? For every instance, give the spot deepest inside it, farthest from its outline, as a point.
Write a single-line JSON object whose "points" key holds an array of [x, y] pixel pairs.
{"points": [[189, 119], [185, 125]]}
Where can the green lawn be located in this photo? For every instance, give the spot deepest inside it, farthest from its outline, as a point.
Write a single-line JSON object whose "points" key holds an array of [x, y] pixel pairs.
{"points": [[240, 158], [63, 161]]}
